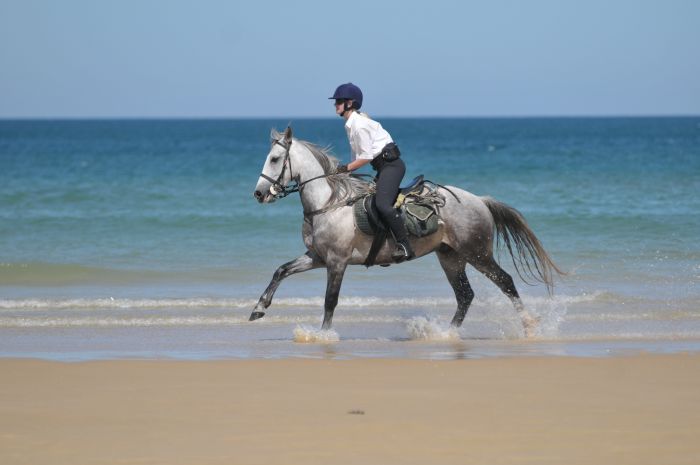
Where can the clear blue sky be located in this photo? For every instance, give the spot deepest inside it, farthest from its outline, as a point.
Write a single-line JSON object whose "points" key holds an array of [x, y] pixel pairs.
{"points": [[207, 58]]}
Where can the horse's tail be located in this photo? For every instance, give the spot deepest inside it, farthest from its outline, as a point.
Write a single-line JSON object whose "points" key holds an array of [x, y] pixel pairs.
{"points": [[529, 258]]}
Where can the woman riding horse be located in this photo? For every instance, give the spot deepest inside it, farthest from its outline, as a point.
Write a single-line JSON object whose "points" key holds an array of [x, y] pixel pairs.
{"points": [[371, 143]]}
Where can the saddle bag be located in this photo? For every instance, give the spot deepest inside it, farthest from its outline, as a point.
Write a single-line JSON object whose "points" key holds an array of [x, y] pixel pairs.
{"points": [[420, 220]]}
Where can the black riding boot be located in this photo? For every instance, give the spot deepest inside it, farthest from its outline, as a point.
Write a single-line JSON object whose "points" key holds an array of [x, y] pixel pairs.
{"points": [[388, 180], [403, 250]]}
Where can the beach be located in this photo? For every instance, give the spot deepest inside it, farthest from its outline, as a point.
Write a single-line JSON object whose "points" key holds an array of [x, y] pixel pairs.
{"points": [[637, 409]]}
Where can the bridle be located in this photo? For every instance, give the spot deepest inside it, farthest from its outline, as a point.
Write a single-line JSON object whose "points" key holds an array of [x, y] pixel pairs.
{"points": [[278, 190], [281, 191]]}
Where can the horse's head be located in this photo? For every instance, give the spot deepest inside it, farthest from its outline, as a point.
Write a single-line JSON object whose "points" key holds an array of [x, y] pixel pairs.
{"points": [[277, 170]]}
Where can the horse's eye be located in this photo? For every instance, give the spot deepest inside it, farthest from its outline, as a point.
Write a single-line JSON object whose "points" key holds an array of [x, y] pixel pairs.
{"points": [[274, 159]]}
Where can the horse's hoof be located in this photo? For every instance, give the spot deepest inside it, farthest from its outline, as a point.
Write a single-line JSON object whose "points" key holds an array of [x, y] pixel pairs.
{"points": [[256, 316]]}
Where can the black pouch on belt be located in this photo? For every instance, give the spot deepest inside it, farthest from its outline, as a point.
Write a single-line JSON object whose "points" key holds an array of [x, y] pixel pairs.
{"points": [[391, 152]]}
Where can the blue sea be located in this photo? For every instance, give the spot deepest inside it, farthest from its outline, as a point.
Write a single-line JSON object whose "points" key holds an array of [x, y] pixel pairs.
{"points": [[142, 239]]}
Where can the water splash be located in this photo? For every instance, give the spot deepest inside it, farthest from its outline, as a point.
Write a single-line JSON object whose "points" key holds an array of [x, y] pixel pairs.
{"points": [[306, 334], [550, 314], [425, 329]]}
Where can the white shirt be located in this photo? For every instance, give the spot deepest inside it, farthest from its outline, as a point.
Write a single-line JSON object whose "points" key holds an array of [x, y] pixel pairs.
{"points": [[367, 137]]}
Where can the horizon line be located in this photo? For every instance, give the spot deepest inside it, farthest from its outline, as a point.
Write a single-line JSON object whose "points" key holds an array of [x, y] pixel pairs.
{"points": [[210, 118]]}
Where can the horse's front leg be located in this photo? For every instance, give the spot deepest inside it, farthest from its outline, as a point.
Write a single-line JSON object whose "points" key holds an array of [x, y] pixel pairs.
{"points": [[306, 262], [335, 279]]}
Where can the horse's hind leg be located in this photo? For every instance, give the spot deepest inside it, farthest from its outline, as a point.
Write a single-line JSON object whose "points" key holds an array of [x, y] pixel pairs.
{"points": [[306, 262], [454, 268], [505, 283]]}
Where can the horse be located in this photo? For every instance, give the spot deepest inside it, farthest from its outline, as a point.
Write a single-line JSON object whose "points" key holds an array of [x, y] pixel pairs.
{"points": [[467, 228]]}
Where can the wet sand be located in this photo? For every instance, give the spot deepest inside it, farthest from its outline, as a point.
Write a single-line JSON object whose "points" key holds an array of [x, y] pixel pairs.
{"points": [[642, 409]]}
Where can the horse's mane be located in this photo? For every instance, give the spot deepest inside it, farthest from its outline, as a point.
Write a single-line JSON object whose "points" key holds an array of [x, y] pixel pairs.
{"points": [[342, 185]]}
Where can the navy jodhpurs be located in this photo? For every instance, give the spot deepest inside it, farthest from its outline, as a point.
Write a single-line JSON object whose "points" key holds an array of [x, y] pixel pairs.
{"points": [[389, 179]]}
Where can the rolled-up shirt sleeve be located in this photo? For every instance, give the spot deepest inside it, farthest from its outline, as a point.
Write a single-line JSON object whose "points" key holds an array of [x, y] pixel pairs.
{"points": [[363, 144]]}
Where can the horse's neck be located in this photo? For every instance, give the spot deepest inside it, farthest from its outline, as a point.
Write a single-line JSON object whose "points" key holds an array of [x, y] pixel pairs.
{"points": [[315, 194]]}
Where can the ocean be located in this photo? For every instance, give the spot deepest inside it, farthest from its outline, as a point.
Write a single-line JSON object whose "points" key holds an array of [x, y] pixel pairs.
{"points": [[142, 239]]}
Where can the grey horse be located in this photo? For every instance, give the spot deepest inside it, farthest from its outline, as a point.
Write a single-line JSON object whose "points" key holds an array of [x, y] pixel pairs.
{"points": [[465, 235]]}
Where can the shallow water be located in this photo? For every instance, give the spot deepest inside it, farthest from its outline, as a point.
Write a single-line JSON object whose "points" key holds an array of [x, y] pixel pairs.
{"points": [[595, 325]]}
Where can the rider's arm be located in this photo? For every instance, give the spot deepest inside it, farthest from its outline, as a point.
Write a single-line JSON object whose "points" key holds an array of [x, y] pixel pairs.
{"points": [[358, 163]]}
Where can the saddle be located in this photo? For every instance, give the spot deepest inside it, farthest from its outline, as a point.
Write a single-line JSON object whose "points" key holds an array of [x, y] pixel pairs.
{"points": [[419, 204]]}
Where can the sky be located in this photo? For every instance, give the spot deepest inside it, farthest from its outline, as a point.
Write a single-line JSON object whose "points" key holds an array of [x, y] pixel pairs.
{"points": [[221, 59]]}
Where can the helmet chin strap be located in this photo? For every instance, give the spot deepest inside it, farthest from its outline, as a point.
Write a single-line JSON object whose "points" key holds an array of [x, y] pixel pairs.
{"points": [[346, 108]]}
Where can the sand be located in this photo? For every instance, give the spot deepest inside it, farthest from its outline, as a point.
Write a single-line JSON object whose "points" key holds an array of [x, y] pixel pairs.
{"points": [[641, 409]]}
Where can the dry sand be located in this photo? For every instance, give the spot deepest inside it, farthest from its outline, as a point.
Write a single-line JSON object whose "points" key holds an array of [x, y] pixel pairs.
{"points": [[630, 410]]}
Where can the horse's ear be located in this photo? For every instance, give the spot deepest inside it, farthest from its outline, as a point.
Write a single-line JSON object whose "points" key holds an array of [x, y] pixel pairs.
{"points": [[288, 134]]}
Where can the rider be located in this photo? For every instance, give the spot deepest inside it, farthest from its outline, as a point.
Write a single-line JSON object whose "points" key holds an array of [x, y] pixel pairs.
{"points": [[371, 143]]}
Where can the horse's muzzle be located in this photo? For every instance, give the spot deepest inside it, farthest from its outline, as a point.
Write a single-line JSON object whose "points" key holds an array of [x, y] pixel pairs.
{"points": [[259, 196]]}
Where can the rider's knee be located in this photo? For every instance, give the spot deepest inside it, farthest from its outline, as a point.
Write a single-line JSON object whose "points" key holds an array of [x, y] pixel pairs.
{"points": [[385, 207]]}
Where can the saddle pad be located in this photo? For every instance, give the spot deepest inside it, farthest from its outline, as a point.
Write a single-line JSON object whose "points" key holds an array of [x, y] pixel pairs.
{"points": [[362, 220]]}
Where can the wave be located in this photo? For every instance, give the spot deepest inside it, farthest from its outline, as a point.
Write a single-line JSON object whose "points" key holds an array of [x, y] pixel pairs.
{"points": [[420, 316], [122, 303], [293, 302], [68, 322], [186, 320]]}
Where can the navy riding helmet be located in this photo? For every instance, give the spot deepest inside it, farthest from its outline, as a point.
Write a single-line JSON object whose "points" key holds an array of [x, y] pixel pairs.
{"points": [[349, 91]]}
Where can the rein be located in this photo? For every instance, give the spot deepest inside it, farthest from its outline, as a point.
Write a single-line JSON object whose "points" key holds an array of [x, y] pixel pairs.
{"points": [[281, 191], [343, 203]]}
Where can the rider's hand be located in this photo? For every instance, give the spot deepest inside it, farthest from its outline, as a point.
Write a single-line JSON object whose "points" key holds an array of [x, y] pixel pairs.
{"points": [[341, 169]]}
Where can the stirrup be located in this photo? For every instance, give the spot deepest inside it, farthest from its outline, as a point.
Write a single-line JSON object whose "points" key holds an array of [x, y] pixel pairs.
{"points": [[402, 255]]}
